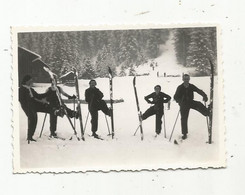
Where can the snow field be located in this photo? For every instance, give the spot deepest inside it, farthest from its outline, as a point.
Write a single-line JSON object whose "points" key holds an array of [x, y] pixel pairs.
{"points": [[125, 151]]}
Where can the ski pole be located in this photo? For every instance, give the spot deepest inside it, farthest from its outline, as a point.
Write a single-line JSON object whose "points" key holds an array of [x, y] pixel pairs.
{"points": [[136, 130], [174, 126], [107, 125], [165, 134], [43, 125], [74, 110], [86, 122], [206, 116]]}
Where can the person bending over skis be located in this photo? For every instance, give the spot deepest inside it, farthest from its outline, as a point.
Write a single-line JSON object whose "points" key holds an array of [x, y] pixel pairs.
{"points": [[184, 97], [158, 99], [31, 103], [95, 103]]}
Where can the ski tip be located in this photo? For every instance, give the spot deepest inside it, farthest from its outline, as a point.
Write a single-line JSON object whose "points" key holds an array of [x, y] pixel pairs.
{"points": [[134, 80], [109, 70]]}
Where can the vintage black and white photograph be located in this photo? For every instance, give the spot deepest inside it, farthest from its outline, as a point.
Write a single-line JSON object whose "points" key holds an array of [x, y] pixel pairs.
{"points": [[117, 98]]}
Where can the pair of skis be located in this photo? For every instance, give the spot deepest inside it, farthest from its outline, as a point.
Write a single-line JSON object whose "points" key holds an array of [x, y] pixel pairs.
{"points": [[138, 109], [78, 103]]}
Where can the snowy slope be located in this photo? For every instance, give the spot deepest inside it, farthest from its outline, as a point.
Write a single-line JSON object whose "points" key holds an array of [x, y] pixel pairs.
{"points": [[125, 151], [166, 62]]}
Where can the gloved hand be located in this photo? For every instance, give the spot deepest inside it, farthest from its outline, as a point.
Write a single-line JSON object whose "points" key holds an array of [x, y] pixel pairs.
{"points": [[150, 102], [72, 97], [44, 101], [205, 98]]}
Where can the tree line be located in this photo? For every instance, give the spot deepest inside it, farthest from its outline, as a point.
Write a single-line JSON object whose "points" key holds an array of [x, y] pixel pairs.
{"points": [[91, 52], [195, 47]]}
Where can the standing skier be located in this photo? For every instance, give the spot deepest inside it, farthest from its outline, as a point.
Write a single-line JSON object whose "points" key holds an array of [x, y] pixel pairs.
{"points": [[184, 97], [158, 99], [31, 103], [95, 103], [53, 100]]}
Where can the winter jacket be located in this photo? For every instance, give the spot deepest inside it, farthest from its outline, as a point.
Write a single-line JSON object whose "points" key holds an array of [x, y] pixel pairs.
{"points": [[93, 96], [27, 98], [185, 95], [52, 97], [158, 99]]}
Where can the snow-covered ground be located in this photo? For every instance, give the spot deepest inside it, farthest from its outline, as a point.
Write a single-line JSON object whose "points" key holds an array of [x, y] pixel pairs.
{"points": [[166, 62], [125, 151]]}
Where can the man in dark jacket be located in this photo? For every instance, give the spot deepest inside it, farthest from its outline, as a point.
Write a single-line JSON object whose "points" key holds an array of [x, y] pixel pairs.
{"points": [[53, 99], [32, 102], [94, 98], [184, 97], [158, 98]]}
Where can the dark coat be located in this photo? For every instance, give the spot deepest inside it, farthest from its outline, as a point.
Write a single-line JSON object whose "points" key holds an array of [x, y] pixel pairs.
{"points": [[185, 95], [93, 96], [158, 99], [29, 102], [52, 97]]}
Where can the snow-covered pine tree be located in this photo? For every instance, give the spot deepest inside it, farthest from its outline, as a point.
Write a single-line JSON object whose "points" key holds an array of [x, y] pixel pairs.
{"points": [[88, 71], [182, 40], [200, 49]]}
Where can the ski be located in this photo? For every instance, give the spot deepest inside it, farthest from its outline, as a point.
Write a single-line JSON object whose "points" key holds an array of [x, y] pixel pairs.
{"points": [[56, 137], [97, 137], [62, 104], [138, 108], [111, 102], [177, 142], [210, 124], [78, 103]]}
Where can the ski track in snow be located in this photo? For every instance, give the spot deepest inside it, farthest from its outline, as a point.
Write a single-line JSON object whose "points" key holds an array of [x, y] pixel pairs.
{"points": [[125, 150]]}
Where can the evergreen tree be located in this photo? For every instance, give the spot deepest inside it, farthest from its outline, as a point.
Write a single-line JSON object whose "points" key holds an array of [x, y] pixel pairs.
{"points": [[88, 71], [122, 71], [129, 48], [195, 46], [132, 71], [200, 50], [182, 40], [152, 44]]}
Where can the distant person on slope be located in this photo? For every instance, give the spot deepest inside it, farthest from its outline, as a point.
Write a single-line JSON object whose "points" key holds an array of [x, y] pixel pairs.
{"points": [[95, 103], [158, 99], [31, 103], [184, 97], [53, 99]]}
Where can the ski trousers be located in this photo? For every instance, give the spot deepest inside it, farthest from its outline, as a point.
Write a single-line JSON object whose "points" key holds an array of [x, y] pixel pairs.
{"points": [[159, 113], [53, 119], [31, 113], [184, 112], [94, 114]]}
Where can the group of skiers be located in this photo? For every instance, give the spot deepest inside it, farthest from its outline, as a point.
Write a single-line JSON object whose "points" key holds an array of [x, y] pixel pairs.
{"points": [[49, 102]]}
